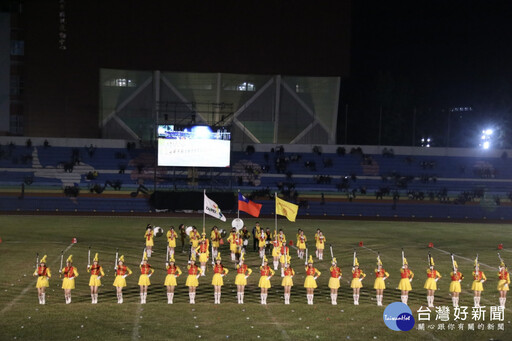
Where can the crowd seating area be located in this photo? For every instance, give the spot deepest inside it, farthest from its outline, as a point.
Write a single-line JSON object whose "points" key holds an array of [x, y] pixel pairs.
{"points": [[351, 183]]}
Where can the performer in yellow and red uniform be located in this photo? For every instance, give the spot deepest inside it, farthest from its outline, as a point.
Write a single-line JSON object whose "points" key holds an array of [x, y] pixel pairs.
{"points": [[310, 282], [262, 242], [43, 274], [406, 276], [281, 237], [233, 245], [320, 245], [145, 272], [276, 251], [203, 250], [503, 283], [287, 282], [242, 273], [431, 283], [301, 244], [68, 283], [264, 283], [219, 271], [379, 285], [194, 238], [173, 272], [455, 287], [357, 277], [193, 274], [334, 281], [148, 236], [122, 271], [215, 237], [171, 240], [284, 258], [97, 272], [478, 281]]}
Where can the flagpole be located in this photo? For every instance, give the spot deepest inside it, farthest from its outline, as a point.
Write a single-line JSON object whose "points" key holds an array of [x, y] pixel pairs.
{"points": [[204, 219], [275, 208], [238, 207]]}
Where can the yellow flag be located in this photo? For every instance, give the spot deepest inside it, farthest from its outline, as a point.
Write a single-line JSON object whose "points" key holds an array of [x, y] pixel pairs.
{"points": [[286, 208]]}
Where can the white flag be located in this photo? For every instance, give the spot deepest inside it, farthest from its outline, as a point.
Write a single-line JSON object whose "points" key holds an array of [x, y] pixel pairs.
{"points": [[211, 208]]}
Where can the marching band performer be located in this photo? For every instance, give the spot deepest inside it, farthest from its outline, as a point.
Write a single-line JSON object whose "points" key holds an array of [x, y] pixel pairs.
{"points": [[173, 272], [357, 277], [406, 276], [122, 271], [276, 251], [262, 242], [334, 281], [455, 287], [287, 282], [145, 272], [431, 283], [215, 238], [281, 237], [297, 243], [171, 239], [68, 283], [320, 245], [310, 282], [478, 281], [503, 284], [219, 271], [203, 251], [284, 258], [264, 283], [148, 236], [193, 274], [242, 273], [233, 243], [379, 285], [194, 239], [43, 274], [97, 272], [301, 244]]}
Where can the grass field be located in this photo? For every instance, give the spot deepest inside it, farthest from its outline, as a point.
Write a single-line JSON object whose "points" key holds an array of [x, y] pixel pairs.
{"points": [[22, 318]]}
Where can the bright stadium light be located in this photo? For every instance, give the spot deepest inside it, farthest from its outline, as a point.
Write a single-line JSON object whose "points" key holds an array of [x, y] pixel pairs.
{"points": [[486, 145], [488, 132]]}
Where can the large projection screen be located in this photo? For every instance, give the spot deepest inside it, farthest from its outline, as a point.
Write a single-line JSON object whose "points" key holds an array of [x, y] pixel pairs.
{"points": [[193, 146]]}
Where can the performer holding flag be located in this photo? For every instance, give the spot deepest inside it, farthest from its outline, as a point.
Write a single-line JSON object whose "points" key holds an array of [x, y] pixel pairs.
{"points": [[173, 272], [203, 251], [310, 282], [97, 272], [219, 271], [357, 277], [334, 280], [478, 281], [504, 282], [43, 274], [145, 272], [431, 283], [379, 285], [242, 273], [122, 271], [406, 276], [455, 287], [68, 283]]}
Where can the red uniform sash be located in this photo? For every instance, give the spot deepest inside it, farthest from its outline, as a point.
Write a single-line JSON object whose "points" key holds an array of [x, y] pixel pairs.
{"points": [[265, 271], [456, 276], [503, 275], [310, 271], [356, 274], [380, 273], [241, 269], [121, 270], [203, 248], [192, 270], [335, 272], [405, 273], [69, 272], [171, 270], [432, 274], [95, 270], [218, 269], [288, 272], [144, 269], [42, 271]]}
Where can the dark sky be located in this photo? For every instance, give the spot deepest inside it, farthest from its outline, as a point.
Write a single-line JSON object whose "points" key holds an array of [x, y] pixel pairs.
{"points": [[431, 56]]}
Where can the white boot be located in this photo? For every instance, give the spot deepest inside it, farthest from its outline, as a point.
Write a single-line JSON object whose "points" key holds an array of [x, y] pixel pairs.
{"points": [[203, 270], [40, 297], [334, 298], [241, 298], [92, 298], [43, 298], [476, 301], [282, 272], [233, 257], [190, 295], [275, 264], [169, 299], [238, 297], [148, 253], [317, 255], [455, 301], [141, 298], [261, 295]]}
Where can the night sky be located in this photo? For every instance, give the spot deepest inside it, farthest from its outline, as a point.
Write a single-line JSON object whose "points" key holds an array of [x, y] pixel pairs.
{"points": [[419, 59]]}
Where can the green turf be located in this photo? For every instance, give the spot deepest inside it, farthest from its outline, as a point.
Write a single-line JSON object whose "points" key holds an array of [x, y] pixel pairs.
{"points": [[22, 318]]}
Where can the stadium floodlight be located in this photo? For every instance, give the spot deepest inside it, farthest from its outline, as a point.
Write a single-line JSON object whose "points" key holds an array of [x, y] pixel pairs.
{"points": [[488, 132], [486, 145]]}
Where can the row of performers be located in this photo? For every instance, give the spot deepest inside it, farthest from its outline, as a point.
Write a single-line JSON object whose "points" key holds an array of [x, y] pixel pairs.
{"points": [[266, 273], [237, 240]]}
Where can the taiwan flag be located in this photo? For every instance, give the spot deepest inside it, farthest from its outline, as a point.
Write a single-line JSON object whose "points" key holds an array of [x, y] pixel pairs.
{"points": [[248, 206]]}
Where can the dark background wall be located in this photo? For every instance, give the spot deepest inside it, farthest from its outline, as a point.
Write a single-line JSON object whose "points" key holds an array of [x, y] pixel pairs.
{"points": [[262, 37]]}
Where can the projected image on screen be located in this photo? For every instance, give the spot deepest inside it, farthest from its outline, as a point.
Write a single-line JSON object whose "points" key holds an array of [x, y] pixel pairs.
{"points": [[193, 146]]}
